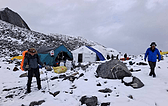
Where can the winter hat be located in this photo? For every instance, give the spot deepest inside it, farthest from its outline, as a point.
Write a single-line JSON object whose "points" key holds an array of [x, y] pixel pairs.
{"points": [[32, 50], [153, 44]]}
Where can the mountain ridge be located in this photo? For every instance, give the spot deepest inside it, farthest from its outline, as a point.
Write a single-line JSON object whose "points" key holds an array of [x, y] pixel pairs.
{"points": [[14, 40]]}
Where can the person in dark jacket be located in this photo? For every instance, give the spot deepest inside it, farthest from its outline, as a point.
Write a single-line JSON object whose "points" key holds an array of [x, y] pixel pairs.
{"points": [[152, 54], [31, 62]]}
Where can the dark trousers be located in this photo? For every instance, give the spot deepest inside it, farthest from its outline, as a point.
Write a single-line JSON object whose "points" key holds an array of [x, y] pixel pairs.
{"points": [[36, 72], [152, 67]]}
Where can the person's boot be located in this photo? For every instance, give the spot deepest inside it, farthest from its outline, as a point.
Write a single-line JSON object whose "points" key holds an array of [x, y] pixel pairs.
{"points": [[154, 75], [150, 74], [39, 87], [28, 91]]}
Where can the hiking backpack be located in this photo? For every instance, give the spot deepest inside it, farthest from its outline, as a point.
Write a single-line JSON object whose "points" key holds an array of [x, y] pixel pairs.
{"points": [[23, 54]]}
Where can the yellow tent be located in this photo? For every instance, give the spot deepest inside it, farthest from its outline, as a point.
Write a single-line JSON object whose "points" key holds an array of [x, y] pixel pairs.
{"points": [[162, 53], [17, 57]]}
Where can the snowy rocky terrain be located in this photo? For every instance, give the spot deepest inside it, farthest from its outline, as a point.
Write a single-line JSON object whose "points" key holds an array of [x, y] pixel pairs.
{"points": [[78, 86], [71, 86], [14, 40]]}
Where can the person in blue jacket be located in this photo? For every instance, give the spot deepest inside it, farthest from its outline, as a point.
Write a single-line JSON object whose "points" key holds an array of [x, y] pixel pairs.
{"points": [[153, 54]]}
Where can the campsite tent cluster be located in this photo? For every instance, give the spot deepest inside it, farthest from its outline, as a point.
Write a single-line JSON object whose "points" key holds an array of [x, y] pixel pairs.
{"points": [[82, 54], [52, 56]]}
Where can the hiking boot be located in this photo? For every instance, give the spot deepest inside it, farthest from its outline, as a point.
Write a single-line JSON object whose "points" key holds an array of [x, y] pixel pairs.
{"points": [[154, 76], [28, 91], [39, 87], [150, 74]]}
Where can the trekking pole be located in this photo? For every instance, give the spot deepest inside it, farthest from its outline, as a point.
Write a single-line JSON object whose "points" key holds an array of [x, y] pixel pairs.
{"points": [[47, 82]]}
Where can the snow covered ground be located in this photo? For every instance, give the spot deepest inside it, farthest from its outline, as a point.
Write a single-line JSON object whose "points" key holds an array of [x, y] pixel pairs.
{"points": [[154, 93]]}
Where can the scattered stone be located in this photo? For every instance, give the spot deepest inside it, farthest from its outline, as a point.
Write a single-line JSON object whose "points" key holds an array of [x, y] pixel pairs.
{"points": [[86, 79], [71, 92], [15, 69], [53, 78], [105, 82], [55, 93], [9, 96], [132, 70], [117, 95], [11, 89], [130, 96], [98, 84], [89, 101], [8, 68], [105, 104], [73, 87], [23, 75], [36, 103], [106, 90], [142, 63], [131, 63], [81, 75]]}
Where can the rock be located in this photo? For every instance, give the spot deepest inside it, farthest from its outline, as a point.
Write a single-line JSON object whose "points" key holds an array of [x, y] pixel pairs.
{"points": [[9, 96], [105, 104], [13, 18], [98, 84], [15, 69], [55, 93], [135, 83], [113, 69], [142, 63], [36, 103], [53, 78], [106, 90], [89, 101], [130, 96], [23, 75]]}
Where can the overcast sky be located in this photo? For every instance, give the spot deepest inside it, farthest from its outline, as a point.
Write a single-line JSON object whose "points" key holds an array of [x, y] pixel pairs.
{"points": [[128, 26]]}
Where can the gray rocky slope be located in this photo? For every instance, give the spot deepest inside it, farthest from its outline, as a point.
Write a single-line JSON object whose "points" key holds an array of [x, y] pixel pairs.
{"points": [[14, 40]]}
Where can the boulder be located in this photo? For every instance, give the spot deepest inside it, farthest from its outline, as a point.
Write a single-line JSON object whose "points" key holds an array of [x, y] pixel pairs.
{"points": [[113, 69], [135, 83], [13, 18], [89, 101]]}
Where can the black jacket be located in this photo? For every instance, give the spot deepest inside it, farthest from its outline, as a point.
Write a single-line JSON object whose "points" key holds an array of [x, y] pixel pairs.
{"points": [[32, 61]]}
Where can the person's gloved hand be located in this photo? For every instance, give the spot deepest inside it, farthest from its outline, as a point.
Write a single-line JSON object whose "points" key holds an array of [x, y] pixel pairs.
{"points": [[27, 67], [158, 60], [145, 60]]}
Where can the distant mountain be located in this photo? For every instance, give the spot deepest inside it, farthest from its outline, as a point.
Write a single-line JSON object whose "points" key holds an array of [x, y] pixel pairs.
{"points": [[12, 17], [14, 40]]}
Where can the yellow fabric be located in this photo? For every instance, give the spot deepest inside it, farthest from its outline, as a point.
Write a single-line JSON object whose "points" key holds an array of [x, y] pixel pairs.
{"points": [[17, 57], [162, 53], [60, 69]]}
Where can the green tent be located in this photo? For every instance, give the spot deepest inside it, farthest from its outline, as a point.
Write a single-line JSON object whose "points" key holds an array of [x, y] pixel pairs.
{"points": [[61, 53]]}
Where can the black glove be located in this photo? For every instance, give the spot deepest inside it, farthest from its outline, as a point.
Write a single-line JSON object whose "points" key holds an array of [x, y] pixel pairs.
{"points": [[145, 60]]}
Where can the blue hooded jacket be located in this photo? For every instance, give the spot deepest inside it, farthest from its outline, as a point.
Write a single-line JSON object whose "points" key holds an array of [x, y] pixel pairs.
{"points": [[152, 55]]}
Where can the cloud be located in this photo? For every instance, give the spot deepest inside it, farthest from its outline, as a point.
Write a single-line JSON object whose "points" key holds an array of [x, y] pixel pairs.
{"points": [[127, 26]]}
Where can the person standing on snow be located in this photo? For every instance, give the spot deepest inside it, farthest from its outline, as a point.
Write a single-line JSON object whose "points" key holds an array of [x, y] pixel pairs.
{"points": [[31, 62], [152, 54]]}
